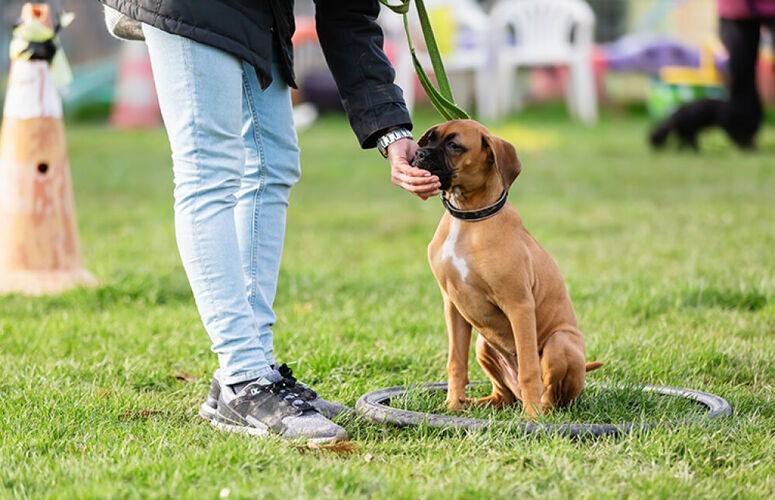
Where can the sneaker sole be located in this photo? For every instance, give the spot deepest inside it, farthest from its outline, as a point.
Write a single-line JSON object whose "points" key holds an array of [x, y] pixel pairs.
{"points": [[207, 412], [238, 429], [254, 431]]}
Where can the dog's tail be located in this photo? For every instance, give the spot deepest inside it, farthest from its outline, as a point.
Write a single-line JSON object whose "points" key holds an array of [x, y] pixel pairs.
{"points": [[593, 365]]}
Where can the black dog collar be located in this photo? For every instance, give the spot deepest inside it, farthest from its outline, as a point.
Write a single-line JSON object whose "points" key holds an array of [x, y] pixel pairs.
{"points": [[479, 214]]}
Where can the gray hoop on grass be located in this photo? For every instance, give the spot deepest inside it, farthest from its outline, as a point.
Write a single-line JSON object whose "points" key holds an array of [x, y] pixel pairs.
{"points": [[371, 406]]}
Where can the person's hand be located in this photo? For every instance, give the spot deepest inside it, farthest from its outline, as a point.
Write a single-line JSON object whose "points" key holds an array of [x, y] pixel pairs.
{"points": [[402, 174]]}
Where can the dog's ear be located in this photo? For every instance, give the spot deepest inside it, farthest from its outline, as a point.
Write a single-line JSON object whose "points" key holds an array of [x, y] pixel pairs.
{"points": [[504, 157], [426, 137]]}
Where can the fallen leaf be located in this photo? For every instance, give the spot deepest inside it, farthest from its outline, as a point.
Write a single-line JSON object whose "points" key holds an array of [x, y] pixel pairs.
{"points": [[103, 393], [184, 376], [341, 448], [138, 413]]}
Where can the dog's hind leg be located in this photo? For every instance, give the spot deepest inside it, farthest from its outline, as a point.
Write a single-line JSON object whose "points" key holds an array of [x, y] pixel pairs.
{"points": [[562, 370], [502, 373], [688, 140]]}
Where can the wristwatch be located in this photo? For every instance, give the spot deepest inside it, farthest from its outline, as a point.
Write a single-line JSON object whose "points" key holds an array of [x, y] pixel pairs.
{"points": [[391, 137]]}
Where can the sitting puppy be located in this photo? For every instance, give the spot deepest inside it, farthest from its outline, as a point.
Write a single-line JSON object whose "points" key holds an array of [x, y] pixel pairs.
{"points": [[496, 278]]}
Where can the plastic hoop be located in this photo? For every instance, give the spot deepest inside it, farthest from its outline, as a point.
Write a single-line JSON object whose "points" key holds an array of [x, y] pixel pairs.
{"points": [[372, 407]]}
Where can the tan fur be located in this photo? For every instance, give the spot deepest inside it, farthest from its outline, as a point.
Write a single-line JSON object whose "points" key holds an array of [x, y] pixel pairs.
{"points": [[496, 278]]}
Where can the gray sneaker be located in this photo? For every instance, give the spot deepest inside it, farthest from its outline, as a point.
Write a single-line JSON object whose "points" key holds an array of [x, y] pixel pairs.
{"points": [[328, 409], [269, 406]]}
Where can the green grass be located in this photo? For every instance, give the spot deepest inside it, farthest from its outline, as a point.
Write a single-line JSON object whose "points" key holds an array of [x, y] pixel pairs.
{"points": [[668, 258]]}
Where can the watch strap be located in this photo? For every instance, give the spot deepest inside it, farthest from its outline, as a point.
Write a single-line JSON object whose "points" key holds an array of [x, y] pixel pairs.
{"points": [[391, 137]]}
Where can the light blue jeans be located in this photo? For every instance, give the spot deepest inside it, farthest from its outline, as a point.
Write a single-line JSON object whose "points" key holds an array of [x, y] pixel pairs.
{"points": [[235, 157]]}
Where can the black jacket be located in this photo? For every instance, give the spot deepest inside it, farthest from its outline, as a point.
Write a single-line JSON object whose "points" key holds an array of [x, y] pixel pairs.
{"points": [[250, 29]]}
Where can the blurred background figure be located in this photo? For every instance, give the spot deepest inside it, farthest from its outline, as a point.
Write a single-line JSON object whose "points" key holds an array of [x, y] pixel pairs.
{"points": [[630, 56], [740, 113]]}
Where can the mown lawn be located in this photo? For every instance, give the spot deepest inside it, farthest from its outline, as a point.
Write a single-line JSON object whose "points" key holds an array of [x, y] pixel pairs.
{"points": [[670, 262]]}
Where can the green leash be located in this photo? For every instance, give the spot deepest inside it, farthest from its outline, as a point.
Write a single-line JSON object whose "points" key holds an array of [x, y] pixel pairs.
{"points": [[442, 98]]}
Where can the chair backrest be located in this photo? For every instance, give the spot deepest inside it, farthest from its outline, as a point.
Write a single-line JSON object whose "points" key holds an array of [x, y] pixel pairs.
{"points": [[543, 25]]}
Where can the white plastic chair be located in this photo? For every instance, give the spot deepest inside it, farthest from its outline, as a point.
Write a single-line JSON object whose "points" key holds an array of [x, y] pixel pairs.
{"points": [[469, 60], [545, 32]]}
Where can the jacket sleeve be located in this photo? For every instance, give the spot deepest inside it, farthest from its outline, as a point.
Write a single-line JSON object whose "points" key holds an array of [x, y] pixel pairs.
{"points": [[352, 44]]}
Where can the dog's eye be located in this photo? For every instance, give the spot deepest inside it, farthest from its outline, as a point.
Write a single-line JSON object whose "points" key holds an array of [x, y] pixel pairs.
{"points": [[454, 146]]}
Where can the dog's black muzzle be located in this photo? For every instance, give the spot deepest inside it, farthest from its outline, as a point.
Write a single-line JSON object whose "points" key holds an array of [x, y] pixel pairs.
{"points": [[434, 161]]}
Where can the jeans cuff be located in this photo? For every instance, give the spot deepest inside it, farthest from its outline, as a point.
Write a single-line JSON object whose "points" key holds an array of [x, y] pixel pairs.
{"points": [[245, 376]]}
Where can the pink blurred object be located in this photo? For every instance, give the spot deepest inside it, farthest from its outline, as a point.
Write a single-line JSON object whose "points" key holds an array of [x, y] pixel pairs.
{"points": [[135, 104], [765, 77], [740, 9], [551, 82]]}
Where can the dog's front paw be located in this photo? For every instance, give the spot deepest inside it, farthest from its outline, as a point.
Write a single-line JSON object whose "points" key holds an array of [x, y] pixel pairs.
{"points": [[531, 411], [455, 403], [494, 401]]}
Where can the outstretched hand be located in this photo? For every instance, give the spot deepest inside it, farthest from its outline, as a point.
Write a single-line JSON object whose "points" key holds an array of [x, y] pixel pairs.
{"points": [[415, 180]]}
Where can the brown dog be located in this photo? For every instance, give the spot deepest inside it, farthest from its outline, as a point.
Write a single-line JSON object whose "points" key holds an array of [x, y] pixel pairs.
{"points": [[495, 277]]}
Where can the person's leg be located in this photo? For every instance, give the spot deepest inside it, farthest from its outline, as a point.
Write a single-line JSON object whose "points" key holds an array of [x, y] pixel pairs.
{"points": [[742, 115], [200, 94], [271, 168]]}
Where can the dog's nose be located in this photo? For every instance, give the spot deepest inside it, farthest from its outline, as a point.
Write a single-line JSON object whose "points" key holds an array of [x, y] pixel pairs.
{"points": [[420, 154]]}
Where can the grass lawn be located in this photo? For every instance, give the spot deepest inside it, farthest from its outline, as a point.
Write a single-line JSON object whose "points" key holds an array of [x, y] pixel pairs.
{"points": [[670, 262]]}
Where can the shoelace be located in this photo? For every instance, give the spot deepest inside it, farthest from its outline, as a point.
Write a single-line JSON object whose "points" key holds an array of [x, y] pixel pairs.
{"points": [[283, 388], [287, 373]]}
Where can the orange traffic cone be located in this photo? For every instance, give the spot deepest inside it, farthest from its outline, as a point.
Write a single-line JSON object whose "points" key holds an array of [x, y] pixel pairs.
{"points": [[39, 251], [135, 104]]}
